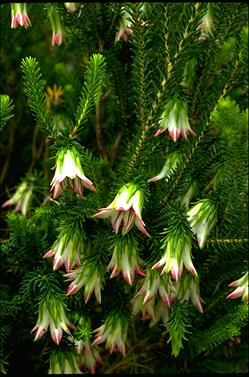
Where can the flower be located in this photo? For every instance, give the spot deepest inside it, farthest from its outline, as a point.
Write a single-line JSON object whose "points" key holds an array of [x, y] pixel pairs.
{"points": [[52, 315], [126, 207], [124, 27], [154, 284], [68, 166], [22, 198], [202, 218], [19, 15], [206, 25], [161, 311], [63, 361], [88, 355], [188, 288], [53, 96], [125, 258], [241, 290], [88, 275], [113, 331], [71, 7], [175, 119], [174, 159], [147, 309], [177, 253], [66, 250], [57, 28]]}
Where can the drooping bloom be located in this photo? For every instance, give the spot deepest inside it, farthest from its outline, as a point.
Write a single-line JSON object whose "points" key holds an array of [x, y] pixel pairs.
{"points": [[177, 254], [89, 275], [192, 190], [124, 30], [22, 198], [88, 355], [206, 26], [66, 250], [188, 289], [113, 331], [126, 208], [241, 288], [155, 285], [202, 218], [52, 315], [69, 171], [175, 120], [71, 7], [19, 15], [57, 28], [63, 361], [125, 259], [174, 159], [161, 312]]}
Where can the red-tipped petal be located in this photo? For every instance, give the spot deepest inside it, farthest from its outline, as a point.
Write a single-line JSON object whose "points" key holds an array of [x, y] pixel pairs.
{"points": [[140, 271], [49, 253], [72, 289]]}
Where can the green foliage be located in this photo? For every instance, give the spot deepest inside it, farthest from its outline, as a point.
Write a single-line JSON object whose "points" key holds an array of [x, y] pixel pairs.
{"points": [[34, 87], [6, 109]]}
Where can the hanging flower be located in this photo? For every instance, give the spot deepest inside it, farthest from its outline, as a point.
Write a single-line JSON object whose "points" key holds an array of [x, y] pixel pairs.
{"points": [[114, 332], [126, 207], [22, 198], [175, 119], [174, 159], [161, 312], [88, 275], [146, 308], [88, 355], [241, 288], [71, 7], [69, 170], [19, 15], [154, 285], [66, 250], [63, 361], [52, 315], [57, 28], [202, 218], [188, 289], [124, 30], [206, 26], [177, 254], [125, 259]]}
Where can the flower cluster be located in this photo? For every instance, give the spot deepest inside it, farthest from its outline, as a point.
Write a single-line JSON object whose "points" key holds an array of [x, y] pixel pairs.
{"points": [[241, 288], [69, 171], [19, 15], [125, 259], [175, 120], [177, 254], [52, 315], [66, 250], [113, 331], [22, 198], [89, 275], [126, 208], [202, 218]]}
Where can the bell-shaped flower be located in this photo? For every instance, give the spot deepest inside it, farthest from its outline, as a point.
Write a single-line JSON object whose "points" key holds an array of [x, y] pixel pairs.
{"points": [[69, 171], [19, 15], [124, 30], [177, 254], [147, 309], [174, 159], [202, 218], [52, 315], [161, 312], [56, 24], [125, 259], [114, 332], [22, 198], [66, 250], [64, 361], [71, 7], [241, 288], [155, 285], [90, 276], [188, 289], [126, 208], [175, 120], [88, 355]]}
